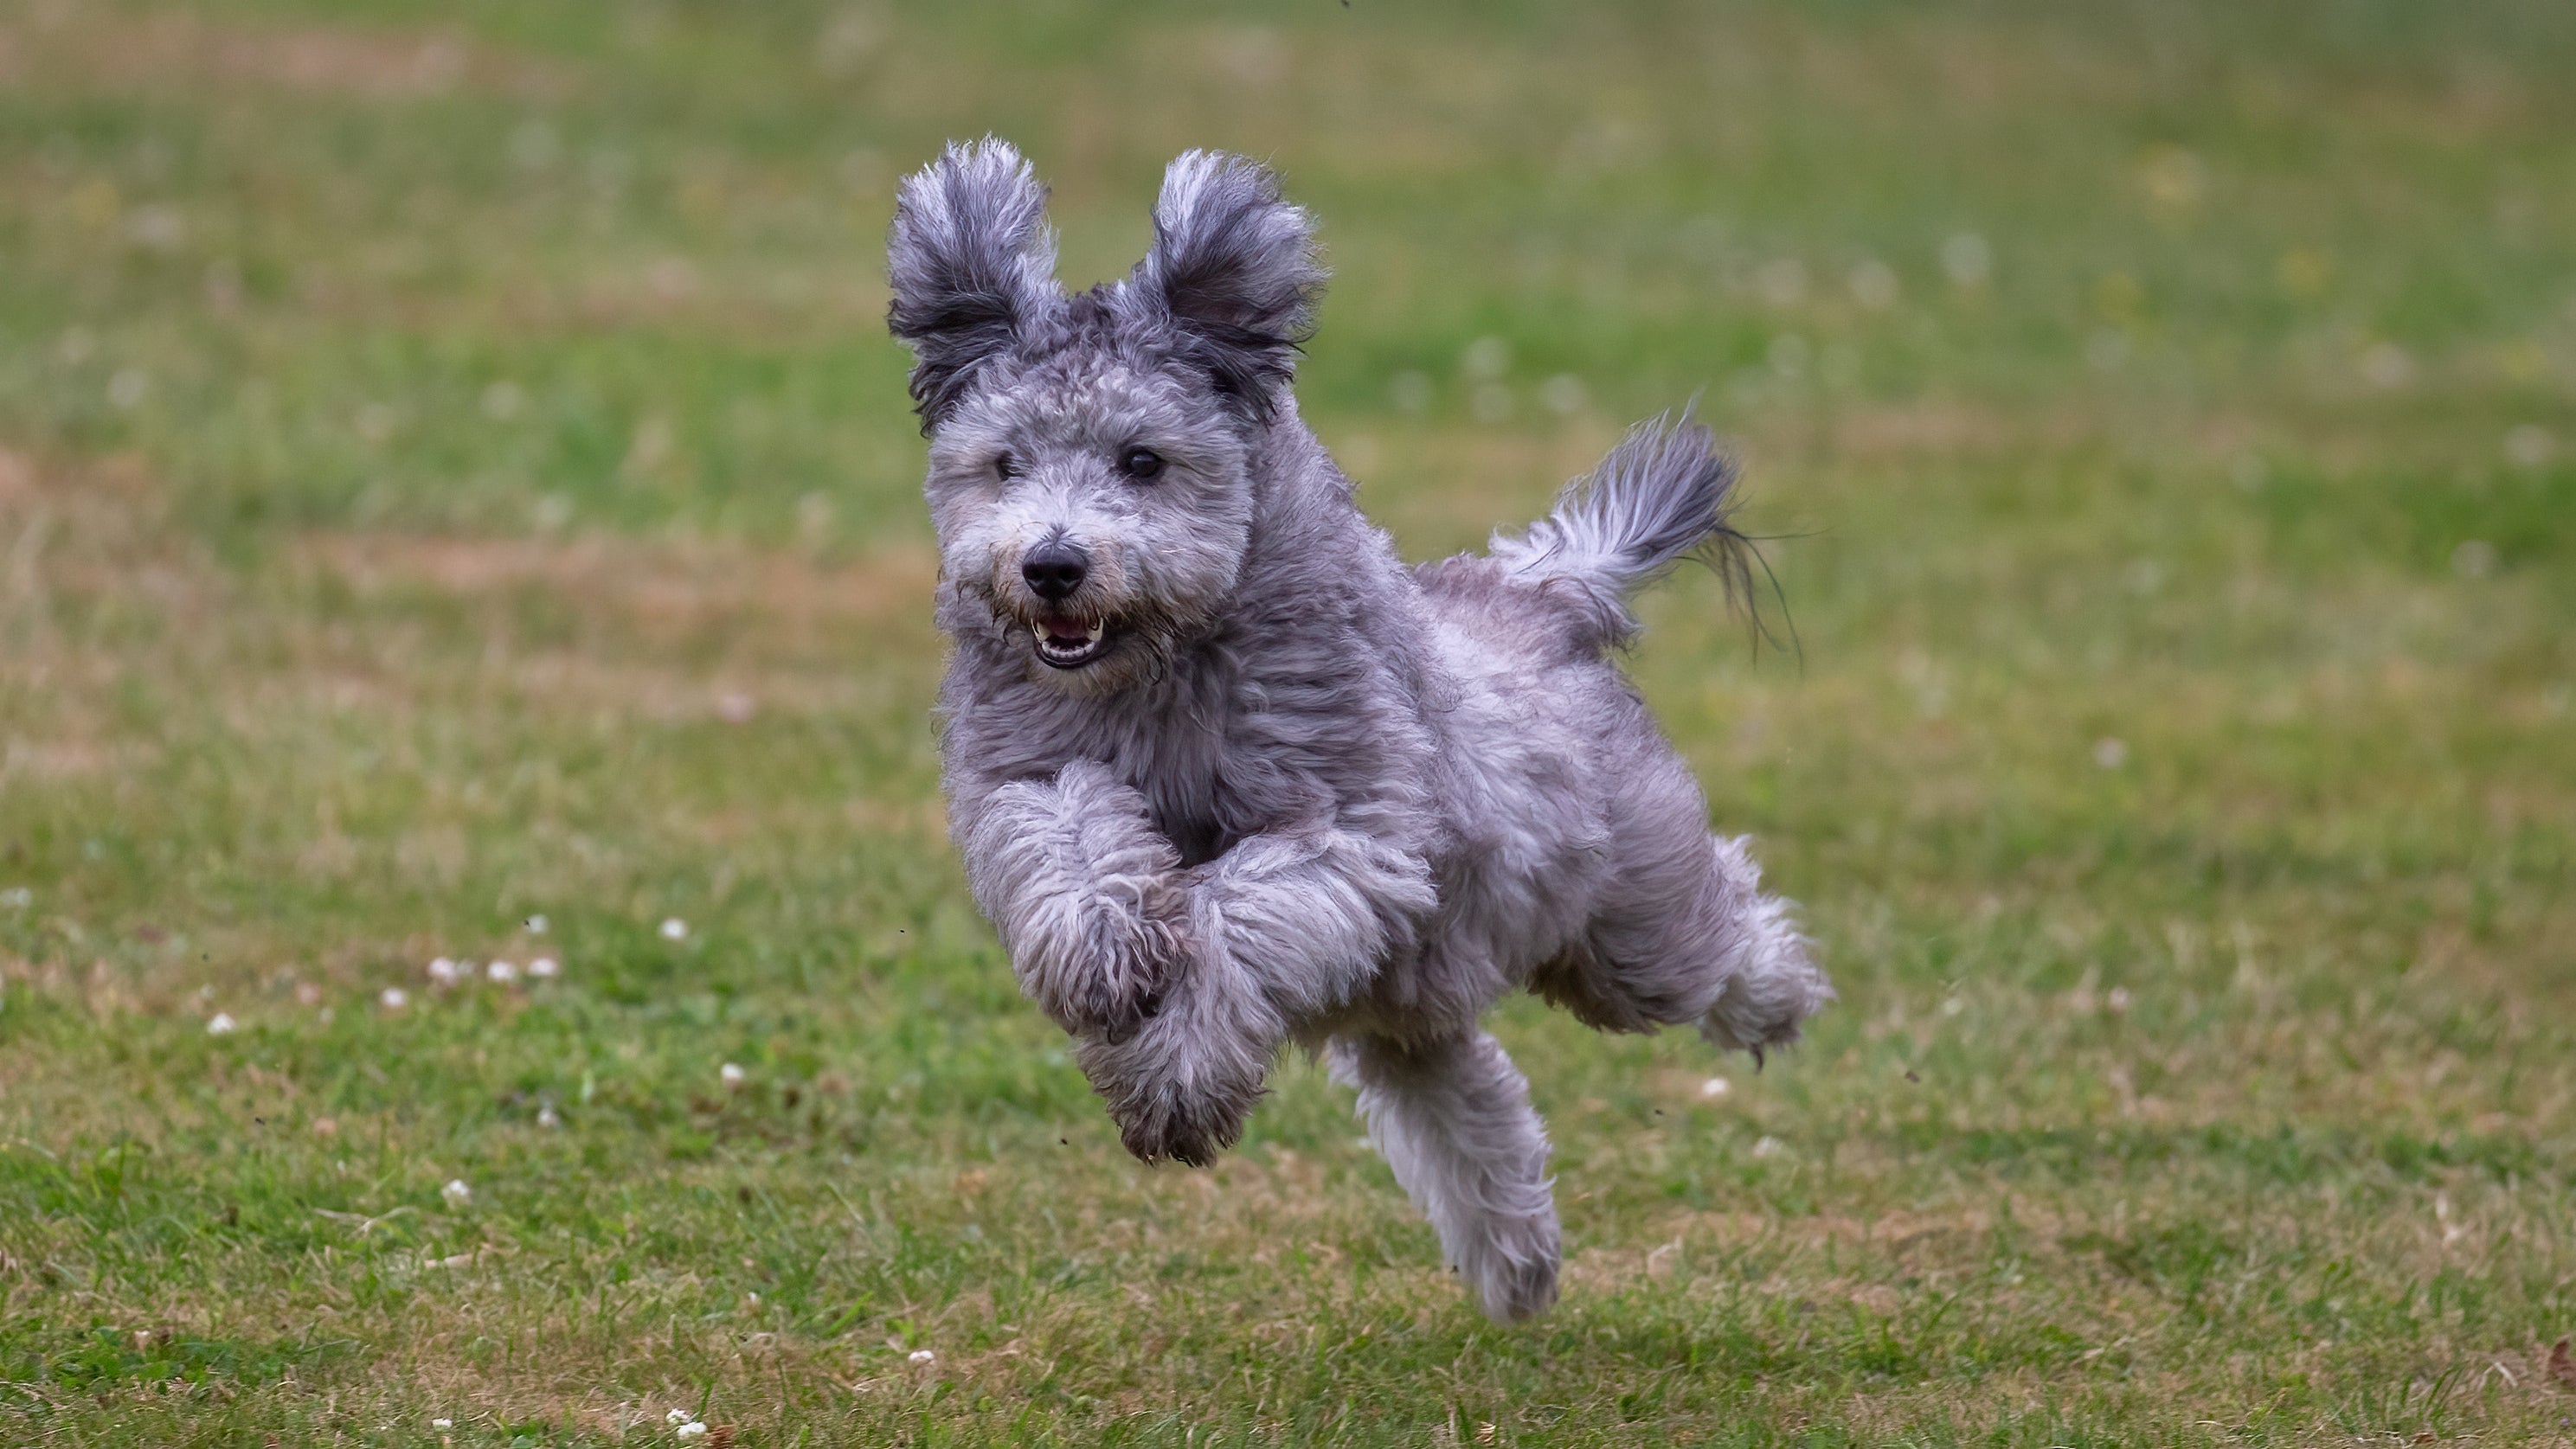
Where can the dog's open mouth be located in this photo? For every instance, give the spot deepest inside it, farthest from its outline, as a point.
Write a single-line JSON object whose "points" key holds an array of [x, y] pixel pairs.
{"points": [[1070, 643]]}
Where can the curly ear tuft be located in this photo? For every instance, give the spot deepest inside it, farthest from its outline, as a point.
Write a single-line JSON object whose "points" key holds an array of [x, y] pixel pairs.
{"points": [[972, 264], [1234, 269]]}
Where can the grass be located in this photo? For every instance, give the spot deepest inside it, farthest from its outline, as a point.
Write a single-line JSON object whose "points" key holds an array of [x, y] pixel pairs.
{"points": [[451, 471]]}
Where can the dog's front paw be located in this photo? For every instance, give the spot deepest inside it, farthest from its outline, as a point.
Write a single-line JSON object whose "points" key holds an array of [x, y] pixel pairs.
{"points": [[1122, 978], [1088, 896], [1171, 1124], [1182, 1085]]}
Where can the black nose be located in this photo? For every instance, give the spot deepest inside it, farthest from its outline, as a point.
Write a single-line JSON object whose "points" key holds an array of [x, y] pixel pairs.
{"points": [[1054, 569]]}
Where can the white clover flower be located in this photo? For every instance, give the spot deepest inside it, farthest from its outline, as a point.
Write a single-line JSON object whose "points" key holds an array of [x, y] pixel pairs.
{"points": [[1769, 1147], [923, 1355], [1967, 259], [536, 925], [444, 971], [690, 1430], [394, 998], [546, 1118], [2529, 445], [731, 1075], [1874, 284], [2386, 365], [1563, 394], [1714, 1087], [678, 1416], [502, 973], [545, 968], [442, 1423], [220, 1023], [456, 1192], [674, 929]]}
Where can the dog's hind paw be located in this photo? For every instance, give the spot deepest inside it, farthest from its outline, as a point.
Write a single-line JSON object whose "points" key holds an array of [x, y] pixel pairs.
{"points": [[1775, 990], [1510, 1260], [1516, 1290]]}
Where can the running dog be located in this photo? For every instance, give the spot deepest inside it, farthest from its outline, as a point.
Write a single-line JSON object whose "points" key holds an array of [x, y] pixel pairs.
{"points": [[1227, 775]]}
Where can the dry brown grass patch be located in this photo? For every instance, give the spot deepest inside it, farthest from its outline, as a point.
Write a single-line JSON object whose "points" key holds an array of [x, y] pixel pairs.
{"points": [[660, 588], [86, 50]]}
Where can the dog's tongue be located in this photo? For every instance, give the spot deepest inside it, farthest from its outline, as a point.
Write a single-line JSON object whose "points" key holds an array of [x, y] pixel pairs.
{"points": [[1063, 632]]}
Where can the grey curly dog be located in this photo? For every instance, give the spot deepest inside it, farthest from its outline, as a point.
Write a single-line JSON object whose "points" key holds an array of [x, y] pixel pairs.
{"points": [[1227, 775]]}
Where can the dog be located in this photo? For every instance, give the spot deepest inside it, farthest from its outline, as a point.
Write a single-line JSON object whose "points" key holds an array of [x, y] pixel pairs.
{"points": [[1226, 775]]}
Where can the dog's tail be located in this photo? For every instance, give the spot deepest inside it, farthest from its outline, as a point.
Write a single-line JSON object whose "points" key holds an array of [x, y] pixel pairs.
{"points": [[1665, 493]]}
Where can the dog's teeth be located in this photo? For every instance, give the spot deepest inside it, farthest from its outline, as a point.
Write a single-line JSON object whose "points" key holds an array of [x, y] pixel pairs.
{"points": [[1049, 641]]}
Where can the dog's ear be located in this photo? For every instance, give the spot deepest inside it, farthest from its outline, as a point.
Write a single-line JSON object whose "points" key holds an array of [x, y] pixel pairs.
{"points": [[972, 262], [1234, 270]]}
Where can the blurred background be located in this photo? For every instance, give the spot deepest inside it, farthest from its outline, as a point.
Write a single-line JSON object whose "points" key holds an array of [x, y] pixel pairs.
{"points": [[457, 500]]}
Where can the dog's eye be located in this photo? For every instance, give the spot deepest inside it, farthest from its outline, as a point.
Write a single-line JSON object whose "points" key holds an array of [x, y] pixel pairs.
{"points": [[1141, 463], [1006, 467]]}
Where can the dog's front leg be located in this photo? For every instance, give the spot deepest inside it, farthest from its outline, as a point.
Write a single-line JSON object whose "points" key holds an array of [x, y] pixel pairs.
{"points": [[1308, 914], [1088, 896], [1283, 928]]}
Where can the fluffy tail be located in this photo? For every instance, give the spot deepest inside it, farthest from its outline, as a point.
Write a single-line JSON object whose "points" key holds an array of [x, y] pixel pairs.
{"points": [[1663, 494]]}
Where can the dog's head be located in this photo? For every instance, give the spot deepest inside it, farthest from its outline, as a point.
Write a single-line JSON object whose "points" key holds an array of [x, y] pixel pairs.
{"points": [[1090, 456]]}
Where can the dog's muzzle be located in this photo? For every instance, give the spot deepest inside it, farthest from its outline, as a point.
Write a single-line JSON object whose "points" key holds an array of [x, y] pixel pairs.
{"points": [[1054, 572]]}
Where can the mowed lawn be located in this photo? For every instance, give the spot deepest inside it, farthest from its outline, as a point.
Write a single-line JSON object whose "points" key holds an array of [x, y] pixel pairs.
{"points": [[457, 500]]}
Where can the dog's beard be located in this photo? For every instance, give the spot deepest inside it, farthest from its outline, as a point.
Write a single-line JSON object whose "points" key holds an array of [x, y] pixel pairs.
{"points": [[1118, 628]]}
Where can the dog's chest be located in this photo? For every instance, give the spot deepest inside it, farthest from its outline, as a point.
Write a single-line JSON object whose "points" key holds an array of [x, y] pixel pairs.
{"points": [[1183, 780], [1181, 750], [1175, 761]]}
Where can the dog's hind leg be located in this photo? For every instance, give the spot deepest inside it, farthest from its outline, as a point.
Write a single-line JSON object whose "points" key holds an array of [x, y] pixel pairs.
{"points": [[1687, 936], [1683, 932], [1453, 1118], [1772, 984]]}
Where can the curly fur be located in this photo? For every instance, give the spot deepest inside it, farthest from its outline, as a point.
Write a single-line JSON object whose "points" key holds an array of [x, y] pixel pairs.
{"points": [[1298, 792]]}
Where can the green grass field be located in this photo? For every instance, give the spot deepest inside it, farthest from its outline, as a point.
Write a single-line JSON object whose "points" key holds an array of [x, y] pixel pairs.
{"points": [[452, 471]]}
